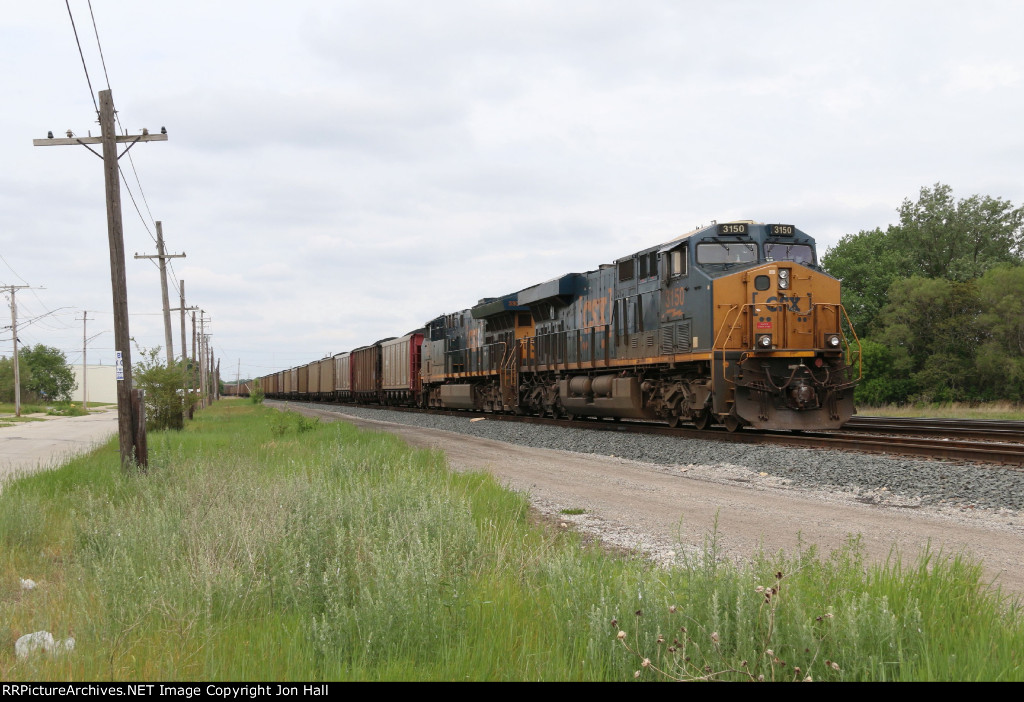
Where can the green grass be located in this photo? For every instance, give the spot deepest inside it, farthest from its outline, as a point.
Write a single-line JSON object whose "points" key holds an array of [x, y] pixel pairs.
{"points": [[262, 546], [954, 410], [61, 409], [8, 408]]}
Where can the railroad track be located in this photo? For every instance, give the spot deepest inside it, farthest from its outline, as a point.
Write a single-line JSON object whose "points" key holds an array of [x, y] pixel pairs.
{"points": [[980, 441], [960, 428]]}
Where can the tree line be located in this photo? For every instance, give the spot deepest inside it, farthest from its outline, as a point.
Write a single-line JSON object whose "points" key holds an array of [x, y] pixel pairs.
{"points": [[938, 300]]}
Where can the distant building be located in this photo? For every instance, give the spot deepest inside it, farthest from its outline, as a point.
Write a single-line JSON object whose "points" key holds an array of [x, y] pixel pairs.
{"points": [[102, 385]]}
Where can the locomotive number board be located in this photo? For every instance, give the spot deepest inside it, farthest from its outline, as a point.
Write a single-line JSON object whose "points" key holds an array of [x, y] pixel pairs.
{"points": [[732, 229], [781, 229]]}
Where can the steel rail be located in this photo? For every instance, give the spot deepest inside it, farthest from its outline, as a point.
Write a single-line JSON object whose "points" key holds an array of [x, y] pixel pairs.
{"points": [[984, 428]]}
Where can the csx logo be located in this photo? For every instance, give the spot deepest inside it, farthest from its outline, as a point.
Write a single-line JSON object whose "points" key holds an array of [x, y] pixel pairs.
{"points": [[790, 303]]}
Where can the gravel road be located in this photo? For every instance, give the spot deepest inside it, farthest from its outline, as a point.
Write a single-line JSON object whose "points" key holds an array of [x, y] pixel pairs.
{"points": [[662, 495]]}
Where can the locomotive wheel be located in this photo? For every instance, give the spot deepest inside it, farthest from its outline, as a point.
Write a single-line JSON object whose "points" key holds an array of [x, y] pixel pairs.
{"points": [[703, 420], [673, 421], [732, 423]]}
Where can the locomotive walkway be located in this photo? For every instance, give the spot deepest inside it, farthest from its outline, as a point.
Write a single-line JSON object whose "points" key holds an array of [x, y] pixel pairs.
{"points": [[27, 447]]}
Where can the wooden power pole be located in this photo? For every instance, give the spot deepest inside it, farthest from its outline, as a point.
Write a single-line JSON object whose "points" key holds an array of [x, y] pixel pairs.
{"points": [[183, 309], [14, 333], [202, 359], [163, 288], [130, 441], [85, 366]]}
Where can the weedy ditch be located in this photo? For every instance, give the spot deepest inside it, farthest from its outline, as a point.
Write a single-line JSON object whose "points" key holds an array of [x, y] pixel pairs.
{"points": [[265, 546]]}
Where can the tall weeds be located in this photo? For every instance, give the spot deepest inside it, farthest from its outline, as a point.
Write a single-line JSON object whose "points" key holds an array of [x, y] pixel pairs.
{"points": [[266, 548]]}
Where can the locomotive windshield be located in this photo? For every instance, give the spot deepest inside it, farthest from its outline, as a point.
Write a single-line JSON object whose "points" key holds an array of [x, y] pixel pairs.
{"points": [[727, 252], [798, 253]]}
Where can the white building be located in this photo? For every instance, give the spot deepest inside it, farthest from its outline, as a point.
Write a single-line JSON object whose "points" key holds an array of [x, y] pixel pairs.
{"points": [[102, 385]]}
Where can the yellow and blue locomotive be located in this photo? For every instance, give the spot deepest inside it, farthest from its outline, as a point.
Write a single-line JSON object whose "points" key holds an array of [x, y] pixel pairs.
{"points": [[731, 324]]}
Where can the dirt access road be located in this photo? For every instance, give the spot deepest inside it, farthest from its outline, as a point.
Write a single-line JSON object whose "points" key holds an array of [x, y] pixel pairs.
{"points": [[662, 510]]}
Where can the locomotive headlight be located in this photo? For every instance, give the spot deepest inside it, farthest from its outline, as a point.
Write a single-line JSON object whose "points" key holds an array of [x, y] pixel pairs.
{"points": [[763, 341], [832, 341], [783, 278]]}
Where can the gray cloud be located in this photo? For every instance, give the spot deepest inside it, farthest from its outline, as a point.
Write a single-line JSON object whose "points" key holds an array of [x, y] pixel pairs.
{"points": [[341, 172]]}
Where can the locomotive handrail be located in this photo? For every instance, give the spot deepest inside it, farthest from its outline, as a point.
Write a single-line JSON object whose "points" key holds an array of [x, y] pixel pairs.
{"points": [[860, 351], [860, 348], [552, 348], [460, 358], [734, 308]]}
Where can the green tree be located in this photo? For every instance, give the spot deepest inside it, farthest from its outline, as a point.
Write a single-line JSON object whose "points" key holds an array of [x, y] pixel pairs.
{"points": [[7, 377], [256, 395], [931, 329], [958, 240], [163, 384], [866, 263], [51, 377], [1001, 292], [1000, 359], [882, 384]]}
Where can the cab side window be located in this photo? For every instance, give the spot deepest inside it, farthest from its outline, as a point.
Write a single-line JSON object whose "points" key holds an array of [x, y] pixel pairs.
{"points": [[677, 262]]}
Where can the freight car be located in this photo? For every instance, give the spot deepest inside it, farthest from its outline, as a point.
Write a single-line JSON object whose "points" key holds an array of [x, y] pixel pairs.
{"points": [[733, 324]]}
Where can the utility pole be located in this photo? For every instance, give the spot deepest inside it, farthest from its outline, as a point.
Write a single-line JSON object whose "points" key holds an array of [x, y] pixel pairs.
{"points": [[14, 333], [130, 443], [202, 368], [202, 358], [85, 367], [163, 288], [209, 369], [184, 349], [183, 309]]}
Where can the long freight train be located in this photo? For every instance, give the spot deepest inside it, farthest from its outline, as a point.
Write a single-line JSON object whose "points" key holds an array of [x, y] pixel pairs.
{"points": [[732, 324]]}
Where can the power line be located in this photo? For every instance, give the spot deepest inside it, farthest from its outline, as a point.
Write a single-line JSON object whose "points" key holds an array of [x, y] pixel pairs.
{"points": [[174, 276], [32, 290], [106, 75], [87, 80], [11, 269], [142, 193], [132, 196], [98, 45]]}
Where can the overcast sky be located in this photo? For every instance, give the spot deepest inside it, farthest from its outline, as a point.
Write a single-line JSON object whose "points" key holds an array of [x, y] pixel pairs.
{"points": [[338, 172]]}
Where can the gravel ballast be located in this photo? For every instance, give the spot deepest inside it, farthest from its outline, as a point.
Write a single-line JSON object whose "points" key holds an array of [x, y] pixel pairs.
{"points": [[891, 480]]}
